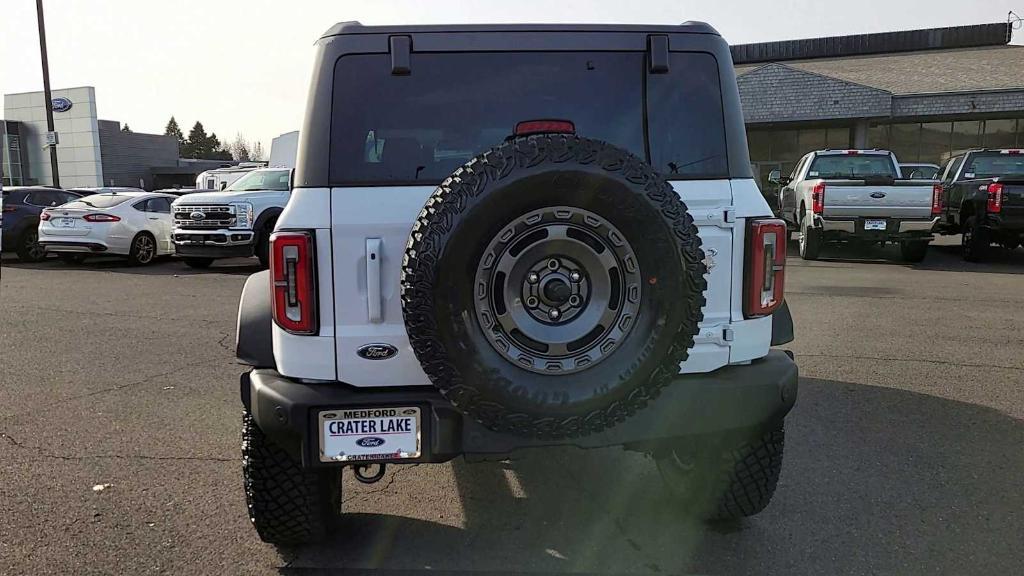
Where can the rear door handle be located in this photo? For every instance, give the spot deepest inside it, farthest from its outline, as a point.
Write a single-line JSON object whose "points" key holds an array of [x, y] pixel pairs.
{"points": [[373, 297], [153, 218]]}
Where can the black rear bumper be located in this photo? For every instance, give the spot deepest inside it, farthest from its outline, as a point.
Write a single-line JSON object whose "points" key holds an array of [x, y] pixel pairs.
{"points": [[731, 398]]}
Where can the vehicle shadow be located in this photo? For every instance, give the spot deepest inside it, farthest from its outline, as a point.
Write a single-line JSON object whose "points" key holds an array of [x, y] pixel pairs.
{"points": [[876, 480], [162, 266], [942, 257]]}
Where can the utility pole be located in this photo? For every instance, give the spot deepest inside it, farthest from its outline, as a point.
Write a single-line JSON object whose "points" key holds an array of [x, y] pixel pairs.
{"points": [[46, 93]]}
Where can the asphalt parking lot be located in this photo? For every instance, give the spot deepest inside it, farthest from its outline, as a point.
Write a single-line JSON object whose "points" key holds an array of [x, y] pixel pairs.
{"points": [[904, 455]]}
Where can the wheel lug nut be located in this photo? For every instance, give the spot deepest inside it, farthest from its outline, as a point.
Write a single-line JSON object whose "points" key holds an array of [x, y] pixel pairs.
{"points": [[553, 264], [554, 313], [533, 278], [575, 276], [532, 302], [574, 300]]}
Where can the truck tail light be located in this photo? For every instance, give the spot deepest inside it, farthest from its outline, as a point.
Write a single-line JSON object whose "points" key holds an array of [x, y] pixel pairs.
{"points": [[936, 199], [818, 198], [765, 267], [101, 218], [293, 281], [995, 198]]}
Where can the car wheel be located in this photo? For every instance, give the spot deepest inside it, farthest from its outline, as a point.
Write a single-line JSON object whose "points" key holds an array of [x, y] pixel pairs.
{"points": [[143, 249], [29, 249], [914, 251], [810, 238], [199, 263], [288, 504], [552, 286], [263, 245], [725, 477], [71, 258], [974, 240]]}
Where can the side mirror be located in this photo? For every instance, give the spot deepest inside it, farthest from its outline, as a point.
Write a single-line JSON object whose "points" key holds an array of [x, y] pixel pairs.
{"points": [[774, 176]]}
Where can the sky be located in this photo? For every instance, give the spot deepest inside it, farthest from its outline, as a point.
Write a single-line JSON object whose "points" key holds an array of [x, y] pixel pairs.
{"points": [[242, 67]]}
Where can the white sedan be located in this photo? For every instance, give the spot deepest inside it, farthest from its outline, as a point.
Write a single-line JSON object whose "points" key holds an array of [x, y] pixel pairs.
{"points": [[132, 224]]}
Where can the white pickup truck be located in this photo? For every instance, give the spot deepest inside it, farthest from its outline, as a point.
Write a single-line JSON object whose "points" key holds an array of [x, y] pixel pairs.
{"points": [[857, 196], [235, 222]]}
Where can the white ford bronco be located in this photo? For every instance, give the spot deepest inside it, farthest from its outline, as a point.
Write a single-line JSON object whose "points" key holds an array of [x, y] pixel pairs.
{"points": [[505, 237]]}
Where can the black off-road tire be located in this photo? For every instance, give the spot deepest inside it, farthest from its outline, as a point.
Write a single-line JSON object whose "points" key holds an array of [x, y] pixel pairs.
{"points": [[28, 248], [288, 505], [263, 245], [724, 478], [914, 251], [198, 263], [974, 241], [494, 192]]}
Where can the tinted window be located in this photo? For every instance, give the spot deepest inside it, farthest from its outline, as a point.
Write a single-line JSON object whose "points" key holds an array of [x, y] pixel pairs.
{"points": [[851, 166], [99, 201], [954, 165], [161, 205], [991, 165], [684, 114], [419, 128], [49, 197]]}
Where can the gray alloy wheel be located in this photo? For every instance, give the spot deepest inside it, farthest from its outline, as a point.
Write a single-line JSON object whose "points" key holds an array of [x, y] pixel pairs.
{"points": [[143, 249], [557, 289], [30, 250]]}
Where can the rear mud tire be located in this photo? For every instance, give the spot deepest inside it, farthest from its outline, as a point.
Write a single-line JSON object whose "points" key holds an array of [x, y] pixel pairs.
{"points": [[914, 251], [974, 241], [724, 478], [288, 505], [810, 238]]}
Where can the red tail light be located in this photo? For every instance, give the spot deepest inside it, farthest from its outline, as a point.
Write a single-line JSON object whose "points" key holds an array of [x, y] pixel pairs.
{"points": [[936, 199], [101, 218], [44, 216], [995, 198], [765, 267], [293, 279], [818, 198], [544, 127]]}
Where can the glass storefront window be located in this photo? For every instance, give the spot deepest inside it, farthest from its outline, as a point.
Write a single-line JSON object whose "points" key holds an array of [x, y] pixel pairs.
{"points": [[786, 146], [759, 142], [966, 136], [935, 142], [904, 141], [837, 138], [878, 136], [813, 139], [1000, 133]]}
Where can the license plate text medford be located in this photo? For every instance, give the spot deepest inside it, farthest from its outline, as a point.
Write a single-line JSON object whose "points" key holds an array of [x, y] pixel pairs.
{"points": [[874, 225]]}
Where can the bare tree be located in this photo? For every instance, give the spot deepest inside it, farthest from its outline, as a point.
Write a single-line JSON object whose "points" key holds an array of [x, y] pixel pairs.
{"points": [[240, 149], [256, 151]]}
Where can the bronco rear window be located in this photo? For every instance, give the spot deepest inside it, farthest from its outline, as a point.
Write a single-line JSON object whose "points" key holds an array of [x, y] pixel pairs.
{"points": [[418, 128]]}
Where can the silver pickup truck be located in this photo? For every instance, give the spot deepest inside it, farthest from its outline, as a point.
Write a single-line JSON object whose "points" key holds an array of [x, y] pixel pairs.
{"points": [[857, 196]]}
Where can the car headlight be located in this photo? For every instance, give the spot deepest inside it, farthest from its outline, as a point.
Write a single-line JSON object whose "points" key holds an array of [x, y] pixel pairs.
{"points": [[243, 215]]}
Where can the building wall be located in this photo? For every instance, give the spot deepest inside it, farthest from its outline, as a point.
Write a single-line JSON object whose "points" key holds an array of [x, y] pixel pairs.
{"points": [[78, 151], [128, 157]]}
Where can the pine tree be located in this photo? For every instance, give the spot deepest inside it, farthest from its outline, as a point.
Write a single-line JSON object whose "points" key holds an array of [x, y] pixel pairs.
{"points": [[172, 129], [197, 144], [125, 128]]}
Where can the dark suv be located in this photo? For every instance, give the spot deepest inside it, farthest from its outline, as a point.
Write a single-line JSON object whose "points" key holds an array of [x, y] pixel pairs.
{"points": [[22, 207], [508, 237]]}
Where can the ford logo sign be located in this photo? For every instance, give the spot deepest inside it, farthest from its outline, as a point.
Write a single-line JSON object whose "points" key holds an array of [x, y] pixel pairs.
{"points": [[370, 442], [878, 194], [377, 351], [61, 104], [197, 215]]}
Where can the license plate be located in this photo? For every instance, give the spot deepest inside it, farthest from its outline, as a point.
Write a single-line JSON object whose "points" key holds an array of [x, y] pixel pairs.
{"points": [[874, 224], [64, 222], [369, 434]]}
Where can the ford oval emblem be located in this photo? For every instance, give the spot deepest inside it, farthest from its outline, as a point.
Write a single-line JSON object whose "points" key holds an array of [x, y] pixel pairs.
{"points": [[377, 351], [370, 442], [878, 194], [197, 215], [61, 104]]}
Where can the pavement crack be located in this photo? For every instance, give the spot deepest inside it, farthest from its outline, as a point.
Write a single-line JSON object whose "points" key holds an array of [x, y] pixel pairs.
{"points": [[225, 345], [45, 454], [405, 468], [919, 360]]}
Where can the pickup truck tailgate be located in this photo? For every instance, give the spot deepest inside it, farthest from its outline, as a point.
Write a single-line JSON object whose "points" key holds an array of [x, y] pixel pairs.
{"points": [[856, 198], [1013, 200]]}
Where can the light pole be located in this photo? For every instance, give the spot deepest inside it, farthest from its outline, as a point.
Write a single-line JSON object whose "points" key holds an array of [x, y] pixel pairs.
{"points": [[46, 92]]}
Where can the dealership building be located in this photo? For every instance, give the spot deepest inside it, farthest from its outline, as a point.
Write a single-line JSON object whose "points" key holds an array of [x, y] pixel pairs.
{"points": [[90, 152], [924, 94]]}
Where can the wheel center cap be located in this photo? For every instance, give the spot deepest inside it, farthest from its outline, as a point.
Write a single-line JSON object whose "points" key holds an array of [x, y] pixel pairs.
{"points": [[557, 291]]}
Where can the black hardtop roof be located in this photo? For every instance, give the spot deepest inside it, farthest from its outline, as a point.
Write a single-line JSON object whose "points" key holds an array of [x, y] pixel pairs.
{"points": [[689, 27]]}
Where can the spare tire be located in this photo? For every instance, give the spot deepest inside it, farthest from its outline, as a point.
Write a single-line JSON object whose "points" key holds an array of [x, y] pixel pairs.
{"points": [[552, 285]]}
